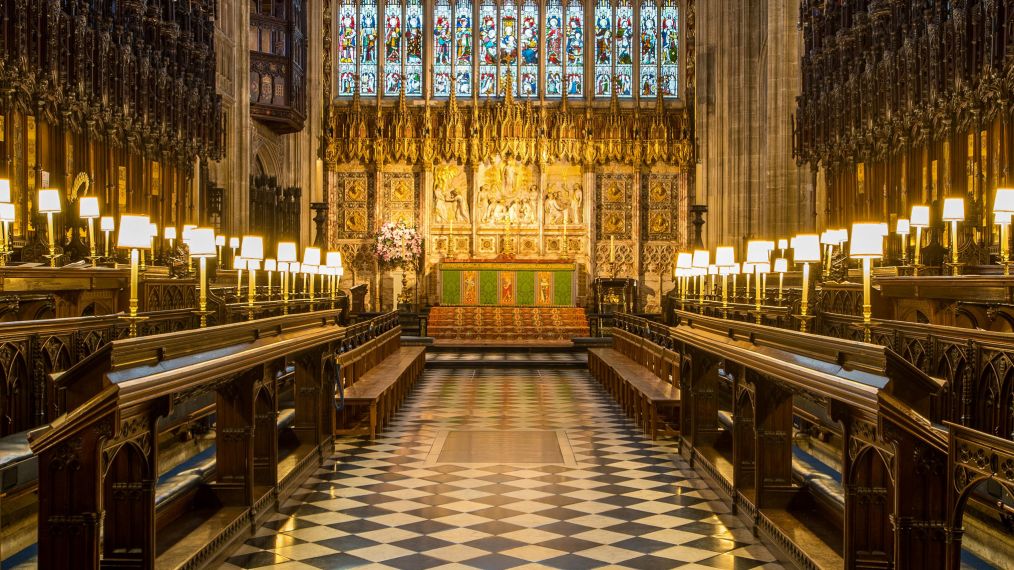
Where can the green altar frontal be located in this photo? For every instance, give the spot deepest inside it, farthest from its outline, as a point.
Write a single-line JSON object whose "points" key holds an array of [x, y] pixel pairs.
{"points": [[513, 284]]}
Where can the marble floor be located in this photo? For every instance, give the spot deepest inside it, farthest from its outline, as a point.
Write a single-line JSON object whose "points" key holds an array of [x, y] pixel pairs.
{"points": [[575, 486]]}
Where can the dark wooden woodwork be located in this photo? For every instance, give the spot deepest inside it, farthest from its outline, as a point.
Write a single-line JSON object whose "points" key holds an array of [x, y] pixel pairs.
{"points": [[274, 212], [278, 45], [97, 461], [892, 470]]}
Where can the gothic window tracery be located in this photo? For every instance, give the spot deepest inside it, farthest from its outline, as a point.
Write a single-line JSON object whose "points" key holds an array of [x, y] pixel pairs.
{"points": [[633, 47]]}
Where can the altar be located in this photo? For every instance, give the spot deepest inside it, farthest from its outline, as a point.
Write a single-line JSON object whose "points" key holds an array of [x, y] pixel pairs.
{"points": [[511, 283]]}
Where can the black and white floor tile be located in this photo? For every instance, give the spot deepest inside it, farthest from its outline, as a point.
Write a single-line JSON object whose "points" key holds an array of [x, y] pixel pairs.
{"points": [[619, 501]]}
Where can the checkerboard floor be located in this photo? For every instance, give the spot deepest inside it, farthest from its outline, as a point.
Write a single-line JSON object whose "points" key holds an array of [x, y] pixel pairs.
{"points": [[626, 502]]}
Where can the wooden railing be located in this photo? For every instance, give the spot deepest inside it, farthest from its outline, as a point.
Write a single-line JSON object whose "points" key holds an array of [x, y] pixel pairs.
{"points": [[894, 449], [99, 462]]}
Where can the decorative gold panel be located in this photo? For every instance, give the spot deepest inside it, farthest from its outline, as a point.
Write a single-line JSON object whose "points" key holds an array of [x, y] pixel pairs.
{"points": [[665, 197], [615, 200], [351, 197], [400, 198]]}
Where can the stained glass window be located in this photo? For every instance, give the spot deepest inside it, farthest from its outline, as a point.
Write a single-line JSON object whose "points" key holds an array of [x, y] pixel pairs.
{"points": [[392, 49], [413, 47], [488, 48], [574, 65], [463, 46], [368, 47], [529, 46], [554, 48], [670, 55], [603, 48], [508, 46], [442, 47], [347, 36], [624, 47], [649, 49]]}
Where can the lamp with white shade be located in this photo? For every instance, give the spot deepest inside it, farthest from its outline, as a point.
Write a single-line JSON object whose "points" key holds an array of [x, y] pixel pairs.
{"points": [[701, 260], [920, 219], [867, 244], [270, 266], [311, 260], [219, 244], [725, 257], [1003, 209], [684, 261], [169, 233], [135, 235], [805, 250], [201, 242], [239, 264], [333, 261], [252, 251], [88, 209], [286, 255], [954, 212], [49, 204], [756, 253], [107, 224], [781, 266], [7, 213], [5, 190], [903, 229]]}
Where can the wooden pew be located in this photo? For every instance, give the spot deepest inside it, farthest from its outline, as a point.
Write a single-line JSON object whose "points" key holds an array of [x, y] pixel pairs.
{"points": [[376, 376], [100, 494], [643, 378]]}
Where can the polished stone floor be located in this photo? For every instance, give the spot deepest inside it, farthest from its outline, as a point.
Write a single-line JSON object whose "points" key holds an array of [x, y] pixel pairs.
{"points": [[570, 484]]}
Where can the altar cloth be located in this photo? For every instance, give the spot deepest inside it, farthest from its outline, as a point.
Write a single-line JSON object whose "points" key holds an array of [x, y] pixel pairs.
{"points": [[508, 283]]}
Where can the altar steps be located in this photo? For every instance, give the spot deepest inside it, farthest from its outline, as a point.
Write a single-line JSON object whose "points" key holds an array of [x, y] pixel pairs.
{"points": [[507, 325]]}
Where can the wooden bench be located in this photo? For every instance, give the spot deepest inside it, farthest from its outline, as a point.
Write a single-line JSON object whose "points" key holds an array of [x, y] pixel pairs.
{"points": [[376, 376], [649, 394]]}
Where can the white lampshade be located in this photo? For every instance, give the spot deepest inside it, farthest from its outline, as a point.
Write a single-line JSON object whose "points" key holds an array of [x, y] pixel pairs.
{"points": [[169, 233], [841, 235], [253, 248], [762, 267], [270, 265], [1002, 202], [107, 224], [806, 248], [7, 212], [920, 216], [152, 230], [827, 237], [867, 241], [234, 242], [309, 269], [253, 264], [684, 260], [220, 240], [712, 269], [954, 209], [757, 252], [294, 267], [88, 207], [702, 258], [1002, 218], [201, 242], [783, 244], [287, 251], [188, 229], [311, 257], [135, 232], [334, 259], [781, 265], [748, 268], [734, 269], [903, 228], [283, 267], [5, 190], [884, 229], [49, 200], [725, 256], [238, 263]]}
